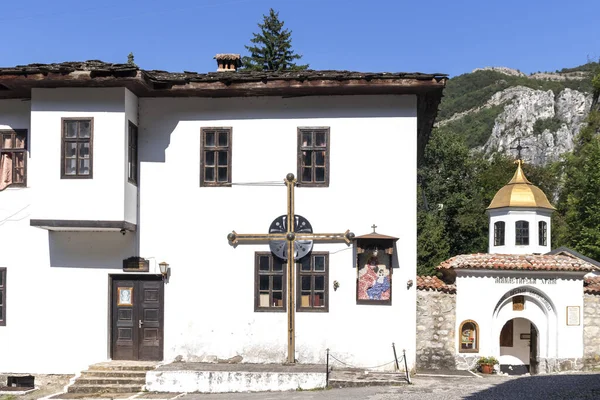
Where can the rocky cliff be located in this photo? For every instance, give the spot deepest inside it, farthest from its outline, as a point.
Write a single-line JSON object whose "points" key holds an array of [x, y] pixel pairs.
{"points": [[496, 108]]}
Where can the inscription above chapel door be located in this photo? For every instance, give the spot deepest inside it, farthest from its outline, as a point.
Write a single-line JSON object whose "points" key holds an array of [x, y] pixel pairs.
{"points": [[137, 318]]}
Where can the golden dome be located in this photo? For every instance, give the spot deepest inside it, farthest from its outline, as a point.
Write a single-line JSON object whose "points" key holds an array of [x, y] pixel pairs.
{"points": [[519, 192]]}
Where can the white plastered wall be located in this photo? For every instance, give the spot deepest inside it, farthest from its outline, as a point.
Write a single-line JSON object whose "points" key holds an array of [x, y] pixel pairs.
{"points": [[209, 300], [479, 295], [510, 216], [101, 198], [57, 282]]}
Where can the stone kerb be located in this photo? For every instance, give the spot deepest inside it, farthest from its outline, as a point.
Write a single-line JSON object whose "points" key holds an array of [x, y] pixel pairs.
{"points": [[436, 319], [591, 331]]}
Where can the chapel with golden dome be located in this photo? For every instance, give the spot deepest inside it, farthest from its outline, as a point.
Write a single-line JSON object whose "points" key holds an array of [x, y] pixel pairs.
{"points": [[519, 217]]}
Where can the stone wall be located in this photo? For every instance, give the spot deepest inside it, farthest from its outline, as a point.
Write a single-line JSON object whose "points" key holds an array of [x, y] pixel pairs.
{"points": [[591, 331], [436, 320]]}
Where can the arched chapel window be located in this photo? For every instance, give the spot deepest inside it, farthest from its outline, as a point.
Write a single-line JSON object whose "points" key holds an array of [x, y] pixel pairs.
{"points": [[499, 233], [469, 337], [543, 233], [522, 233]]}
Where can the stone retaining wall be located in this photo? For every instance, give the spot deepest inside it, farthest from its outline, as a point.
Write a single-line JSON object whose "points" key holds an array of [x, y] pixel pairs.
{"points": [[436, 319], [591, 331]]}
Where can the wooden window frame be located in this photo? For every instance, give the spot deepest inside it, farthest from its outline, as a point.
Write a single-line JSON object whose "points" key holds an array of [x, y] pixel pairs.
{"points": [[13, 150], [313, 273], [507, 334], [542, 233], [132, 154], [3, 296], [302, 148], [270, 273], [522, 234], [216, 149], [76, 140], [476, 349], [499, 239]]}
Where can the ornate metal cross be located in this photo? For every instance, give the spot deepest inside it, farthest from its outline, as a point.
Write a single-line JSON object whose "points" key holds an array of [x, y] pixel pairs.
{"points": [[519, 148], [293, 236]]}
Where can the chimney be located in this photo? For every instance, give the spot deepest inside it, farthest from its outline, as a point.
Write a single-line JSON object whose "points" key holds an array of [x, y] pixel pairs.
{"points": [[228, 62]]}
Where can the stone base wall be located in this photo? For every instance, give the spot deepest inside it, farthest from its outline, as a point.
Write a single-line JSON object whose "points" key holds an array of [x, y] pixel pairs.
{"points": [[466, 362], [591, 332], [549, 365], [436, 319]]}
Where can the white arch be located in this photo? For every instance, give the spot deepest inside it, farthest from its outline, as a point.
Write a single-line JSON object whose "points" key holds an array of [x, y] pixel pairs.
{"points": [[541, 313]]}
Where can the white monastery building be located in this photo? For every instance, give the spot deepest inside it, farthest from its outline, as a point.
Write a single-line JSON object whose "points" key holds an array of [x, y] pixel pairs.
{"points": [[144, 216], [532, 309]]}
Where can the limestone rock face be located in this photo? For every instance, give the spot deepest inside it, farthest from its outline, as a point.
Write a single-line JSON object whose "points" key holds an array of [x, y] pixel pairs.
{"points": [[504, 70], [546, 123]]}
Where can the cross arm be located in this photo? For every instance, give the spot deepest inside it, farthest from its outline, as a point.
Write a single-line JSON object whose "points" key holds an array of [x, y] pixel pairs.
{"points": [[345, 237], [235, 238]]}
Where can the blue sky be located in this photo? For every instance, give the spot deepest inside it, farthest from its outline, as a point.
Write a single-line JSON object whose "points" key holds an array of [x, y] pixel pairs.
{"points": [[452, 37]]}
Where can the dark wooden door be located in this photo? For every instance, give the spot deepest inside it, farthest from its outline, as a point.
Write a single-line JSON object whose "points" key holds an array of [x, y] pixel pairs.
{"points": [[533, 346], [137, 318]]}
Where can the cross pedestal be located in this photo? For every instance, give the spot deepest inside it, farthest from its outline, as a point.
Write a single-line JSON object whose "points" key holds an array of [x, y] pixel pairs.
{"points": [[291, 237]]}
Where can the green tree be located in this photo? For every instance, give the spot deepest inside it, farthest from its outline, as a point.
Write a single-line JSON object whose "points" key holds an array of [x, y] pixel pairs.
{"points": [[130, 60], [579, 206], [456, 185], [450, 220], [271, 49]]}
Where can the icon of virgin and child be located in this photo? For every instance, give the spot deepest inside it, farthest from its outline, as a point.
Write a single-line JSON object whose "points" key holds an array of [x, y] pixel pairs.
{"points": [[374, 279]]}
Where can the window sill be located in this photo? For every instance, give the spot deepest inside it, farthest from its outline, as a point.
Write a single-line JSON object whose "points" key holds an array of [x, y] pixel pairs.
{"points": [[269, 309], [215, 185], [303, 185]]}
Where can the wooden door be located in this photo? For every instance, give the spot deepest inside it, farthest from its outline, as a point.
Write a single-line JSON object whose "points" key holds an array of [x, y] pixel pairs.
{"points": [[533, 346], [137, 318]]}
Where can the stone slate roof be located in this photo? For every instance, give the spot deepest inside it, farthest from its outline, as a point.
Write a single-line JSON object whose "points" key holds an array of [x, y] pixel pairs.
{"points": [[526, 262], [69, 67], [17, 83], [592, 285], [107, 69], [435, 284]]}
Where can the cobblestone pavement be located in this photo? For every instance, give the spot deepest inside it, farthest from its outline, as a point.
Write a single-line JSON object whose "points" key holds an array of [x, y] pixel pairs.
{"points": [[547, 387]]}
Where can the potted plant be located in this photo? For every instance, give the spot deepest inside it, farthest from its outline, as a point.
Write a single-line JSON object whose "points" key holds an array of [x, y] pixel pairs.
{"points": [[487, 364]]}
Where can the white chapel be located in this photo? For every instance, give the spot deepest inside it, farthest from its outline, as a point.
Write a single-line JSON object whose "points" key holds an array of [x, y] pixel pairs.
{"points": [[521, 303]]}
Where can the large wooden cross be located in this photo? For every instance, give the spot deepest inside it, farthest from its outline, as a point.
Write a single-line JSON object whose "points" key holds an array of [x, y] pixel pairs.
{"points": [[290, 236]]}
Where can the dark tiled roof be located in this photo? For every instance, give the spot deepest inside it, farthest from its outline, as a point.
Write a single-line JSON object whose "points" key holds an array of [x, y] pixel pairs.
{"points": [[69, 67], [306, 75], [434, 283], [567, 251], [592, 285], [188, 76], [527, 262], [17, 83]]}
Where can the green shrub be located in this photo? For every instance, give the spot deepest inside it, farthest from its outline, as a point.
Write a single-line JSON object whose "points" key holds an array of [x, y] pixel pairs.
{"points": [[487, 360], [552, 124]]}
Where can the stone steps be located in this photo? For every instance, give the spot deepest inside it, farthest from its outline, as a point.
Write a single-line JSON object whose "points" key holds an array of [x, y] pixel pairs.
{"points": [[77, 388], [114, 374], [97, 380], [340, 378], [111, 377]]}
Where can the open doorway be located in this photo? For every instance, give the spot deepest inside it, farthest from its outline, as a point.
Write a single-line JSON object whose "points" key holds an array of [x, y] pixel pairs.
{"points": [[518, 347]]}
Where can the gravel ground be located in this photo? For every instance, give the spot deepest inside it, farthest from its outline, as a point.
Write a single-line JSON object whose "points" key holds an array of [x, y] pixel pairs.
{"points": [[547, 387]]}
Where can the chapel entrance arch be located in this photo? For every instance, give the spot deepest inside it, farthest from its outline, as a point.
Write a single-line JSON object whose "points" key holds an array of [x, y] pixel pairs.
{"points": [[524, 329], [519, 347]]}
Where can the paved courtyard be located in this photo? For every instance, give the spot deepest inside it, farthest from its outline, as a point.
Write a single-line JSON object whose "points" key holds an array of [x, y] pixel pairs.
{"points": [[547, 387]]}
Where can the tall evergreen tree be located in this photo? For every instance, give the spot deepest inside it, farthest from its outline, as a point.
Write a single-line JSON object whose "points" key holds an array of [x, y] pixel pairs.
{"points": [[271, 49]]}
